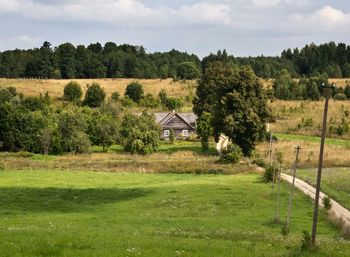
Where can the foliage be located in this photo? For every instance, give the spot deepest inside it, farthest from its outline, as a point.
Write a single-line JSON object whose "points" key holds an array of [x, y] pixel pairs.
{"points": [[327, 204], [172, 136], [149, 101], [306, 243], [72, 92], [140, 134], [187, 70], [232, 154], [237, 103], [94, 95], [204, 130], [115, 96], [173, 103], [269, 173], [340, 97], [5, 95], [134, 91], [102, 129], [33, 103]]}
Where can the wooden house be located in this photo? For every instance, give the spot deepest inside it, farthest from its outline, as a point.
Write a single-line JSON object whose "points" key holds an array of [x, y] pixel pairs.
{"points": [[183, 124]]}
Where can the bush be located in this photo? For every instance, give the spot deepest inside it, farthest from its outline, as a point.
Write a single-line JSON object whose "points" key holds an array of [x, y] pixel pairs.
{"points": [[80, 142], [173, 103], [306, 243], [327, 203], [149, 101], [269, 173], [115, 96], [5, 95], [134, 91], [340, 97], [72, 92], [172, 136], [94, 96], [232, 154]]}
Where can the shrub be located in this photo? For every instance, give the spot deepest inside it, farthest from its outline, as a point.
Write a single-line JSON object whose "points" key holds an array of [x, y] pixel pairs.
{"points": [[173, 103], [94, 95], [327, 203], [149, 101], [172, 136], [33, 103], [5, 95], [340, 97], [127, 102], [80, 142], [134, 91], [269, 173], [115, 96], [306, 243], [140, 134], [72, 92], [232, 154]]}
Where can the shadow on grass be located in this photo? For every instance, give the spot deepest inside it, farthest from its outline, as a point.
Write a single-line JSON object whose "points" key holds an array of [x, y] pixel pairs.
{"points": [[20, 200]]}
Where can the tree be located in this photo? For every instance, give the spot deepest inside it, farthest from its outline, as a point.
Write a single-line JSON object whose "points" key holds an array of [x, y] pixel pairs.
{"points": [[115, 96], [236, 102], [5, 95], [140, 134], [72, 92], [347, 91], [172, 136], [204, 130], [187, 70], [94, 95], [102, 130], [283, 85], [173, 103], [134, 91]]}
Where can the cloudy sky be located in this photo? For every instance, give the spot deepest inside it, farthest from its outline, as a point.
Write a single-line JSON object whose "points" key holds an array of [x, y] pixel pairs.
{"points": [[243, 27]]}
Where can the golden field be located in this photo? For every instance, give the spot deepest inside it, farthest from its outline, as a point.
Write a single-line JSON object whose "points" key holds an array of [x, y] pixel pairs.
{"points": [[34, 87]]}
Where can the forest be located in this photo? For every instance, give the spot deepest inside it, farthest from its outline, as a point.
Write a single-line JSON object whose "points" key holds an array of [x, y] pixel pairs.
{"points": [[110, 60]]}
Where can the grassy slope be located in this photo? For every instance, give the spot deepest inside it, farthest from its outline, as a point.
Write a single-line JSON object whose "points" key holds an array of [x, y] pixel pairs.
{"points": [[335, 182], [53, 213]]}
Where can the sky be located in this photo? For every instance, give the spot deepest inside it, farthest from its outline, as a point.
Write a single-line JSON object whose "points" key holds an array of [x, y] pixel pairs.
{"points": [[242, 27]]}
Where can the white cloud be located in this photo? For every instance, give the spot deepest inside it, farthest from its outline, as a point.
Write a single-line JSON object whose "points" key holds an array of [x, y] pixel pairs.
{"points": [[126, 11], [207, 13], [276, 3], [326, 18]]}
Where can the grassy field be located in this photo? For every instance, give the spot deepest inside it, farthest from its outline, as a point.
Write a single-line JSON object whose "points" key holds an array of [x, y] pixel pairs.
{"points": [[335, 182], [305, 118], [181, 157], [60, 213]]}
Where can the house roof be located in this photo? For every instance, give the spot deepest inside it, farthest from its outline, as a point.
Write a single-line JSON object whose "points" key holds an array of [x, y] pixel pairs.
{"points": [[188, 117]]}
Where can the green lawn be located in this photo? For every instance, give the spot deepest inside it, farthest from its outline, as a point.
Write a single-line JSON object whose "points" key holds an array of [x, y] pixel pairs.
{"points": [[61, 213], [335, 182], [312, 139]]}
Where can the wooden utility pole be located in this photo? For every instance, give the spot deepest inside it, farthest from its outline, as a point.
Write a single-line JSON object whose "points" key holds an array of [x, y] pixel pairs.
{"points": [[277, 215], [327, 90], [270, 150], [273, 166], [292, 188]]}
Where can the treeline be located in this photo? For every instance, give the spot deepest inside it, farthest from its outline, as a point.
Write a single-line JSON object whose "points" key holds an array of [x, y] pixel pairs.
{"points": [[126, 61], [286, 88], [96, 61]]}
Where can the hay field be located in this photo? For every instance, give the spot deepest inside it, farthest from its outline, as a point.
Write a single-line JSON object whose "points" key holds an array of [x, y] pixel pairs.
{"points": [[34, 87]]}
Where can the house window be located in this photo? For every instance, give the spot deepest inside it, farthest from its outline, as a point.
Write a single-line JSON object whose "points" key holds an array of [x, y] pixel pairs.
{"points": [[166, 133], [185, 133]]}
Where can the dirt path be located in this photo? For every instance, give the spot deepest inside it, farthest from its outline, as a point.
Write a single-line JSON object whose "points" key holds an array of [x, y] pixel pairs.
{"points": [[340, 213]]}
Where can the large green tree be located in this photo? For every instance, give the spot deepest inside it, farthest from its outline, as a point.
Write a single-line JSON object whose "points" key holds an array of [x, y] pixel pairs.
{"points": [[237, 103], [140, 133]]}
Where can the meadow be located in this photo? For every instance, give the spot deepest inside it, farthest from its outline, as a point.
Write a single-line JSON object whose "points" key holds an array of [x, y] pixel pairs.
{"points": [[65, 213], [335, 182]]}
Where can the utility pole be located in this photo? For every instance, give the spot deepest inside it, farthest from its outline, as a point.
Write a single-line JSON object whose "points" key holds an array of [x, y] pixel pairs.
{"points": [[273, 166], [327, 90], [298, 148], [270, 150], [277, 215]]}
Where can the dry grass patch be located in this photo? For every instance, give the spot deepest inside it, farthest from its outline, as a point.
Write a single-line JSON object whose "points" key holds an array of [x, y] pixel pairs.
{"points": [[335, 156], [34, 87]]}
